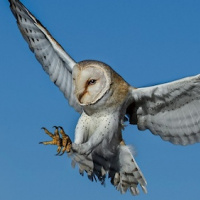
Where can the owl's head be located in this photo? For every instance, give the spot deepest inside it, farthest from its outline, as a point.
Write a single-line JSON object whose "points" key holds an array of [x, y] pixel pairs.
{"points": [[91, 79]]}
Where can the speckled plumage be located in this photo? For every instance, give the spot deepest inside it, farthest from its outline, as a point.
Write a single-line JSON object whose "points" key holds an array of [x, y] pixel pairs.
{"points": [[104, 99]]}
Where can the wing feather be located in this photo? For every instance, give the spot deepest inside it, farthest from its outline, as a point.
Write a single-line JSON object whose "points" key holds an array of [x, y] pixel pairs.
{"points": [[54, 60], [170, 110]]}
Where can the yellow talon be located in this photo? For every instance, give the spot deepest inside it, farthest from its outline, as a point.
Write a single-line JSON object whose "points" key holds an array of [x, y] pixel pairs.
{"points": [[63, 143], [66, 141]]}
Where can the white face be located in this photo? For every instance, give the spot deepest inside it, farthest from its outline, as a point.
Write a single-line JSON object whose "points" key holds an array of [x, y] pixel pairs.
{"points": [[91, 82]]}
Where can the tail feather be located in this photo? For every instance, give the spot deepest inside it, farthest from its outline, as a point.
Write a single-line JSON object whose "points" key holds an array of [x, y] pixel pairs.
{"points": [[122, 169], [130, 173]]}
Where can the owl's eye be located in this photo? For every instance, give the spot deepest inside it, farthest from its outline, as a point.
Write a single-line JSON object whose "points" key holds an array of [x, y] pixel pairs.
{"points": [[92, 82]]}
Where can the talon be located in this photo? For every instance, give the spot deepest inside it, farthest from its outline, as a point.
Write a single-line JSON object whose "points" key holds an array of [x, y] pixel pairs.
{"points": [[59, 150], [56, 140], [63, 151], [64, 143]]}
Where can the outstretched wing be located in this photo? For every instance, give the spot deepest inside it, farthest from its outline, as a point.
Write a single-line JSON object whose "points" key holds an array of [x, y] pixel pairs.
{"points": [[170, 110], [54, 60]]}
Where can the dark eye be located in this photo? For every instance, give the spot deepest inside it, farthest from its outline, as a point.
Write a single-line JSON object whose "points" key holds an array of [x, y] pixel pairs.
{"points": [[92, 82]]}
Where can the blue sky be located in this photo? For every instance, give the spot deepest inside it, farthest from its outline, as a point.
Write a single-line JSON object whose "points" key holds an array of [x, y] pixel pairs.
{"points": [[147, 42]]}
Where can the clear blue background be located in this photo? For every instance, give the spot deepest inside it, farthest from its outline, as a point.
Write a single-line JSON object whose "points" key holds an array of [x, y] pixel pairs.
{"points": [[147, 42]]}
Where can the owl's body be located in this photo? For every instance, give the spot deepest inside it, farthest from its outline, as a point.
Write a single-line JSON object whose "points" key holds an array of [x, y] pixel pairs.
{"points": [[99, 130], [104, 100], [102, 137], [103, 145], [109, 107]]}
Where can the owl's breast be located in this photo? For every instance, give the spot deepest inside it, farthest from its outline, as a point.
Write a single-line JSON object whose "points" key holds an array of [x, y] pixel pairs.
{"points": [[102, 125]]}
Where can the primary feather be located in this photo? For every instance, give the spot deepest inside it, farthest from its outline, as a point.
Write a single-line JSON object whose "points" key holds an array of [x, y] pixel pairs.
{"points": [[54, 60]]}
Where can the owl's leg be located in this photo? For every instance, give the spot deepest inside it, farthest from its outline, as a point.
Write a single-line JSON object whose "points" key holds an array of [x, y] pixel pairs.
{"points": [[63, 143], [87, 147]]}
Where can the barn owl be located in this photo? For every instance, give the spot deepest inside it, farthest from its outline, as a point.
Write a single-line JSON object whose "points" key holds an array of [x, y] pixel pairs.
{"points": [[104, 100]]}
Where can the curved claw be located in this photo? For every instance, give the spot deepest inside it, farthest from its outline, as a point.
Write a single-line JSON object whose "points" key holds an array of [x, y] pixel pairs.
{"points": [[61, 153], [43, 128], [56, 127], [58, 150]]}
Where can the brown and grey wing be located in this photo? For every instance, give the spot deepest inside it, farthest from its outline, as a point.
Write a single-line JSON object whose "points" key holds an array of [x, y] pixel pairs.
{"points": [[54, 60], [170, 110]]}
